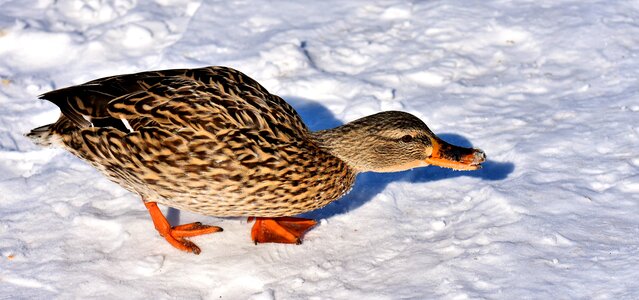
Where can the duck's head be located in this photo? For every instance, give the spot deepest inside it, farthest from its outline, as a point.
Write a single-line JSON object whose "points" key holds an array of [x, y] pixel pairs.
{"points": [[395, 141]]}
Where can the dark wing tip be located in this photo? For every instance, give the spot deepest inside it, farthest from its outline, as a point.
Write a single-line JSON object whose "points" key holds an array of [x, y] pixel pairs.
{"points": [[59, 98]]}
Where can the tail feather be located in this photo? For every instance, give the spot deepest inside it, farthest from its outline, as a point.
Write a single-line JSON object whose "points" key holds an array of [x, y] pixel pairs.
{"points": [[53, 133], [43, 135]]}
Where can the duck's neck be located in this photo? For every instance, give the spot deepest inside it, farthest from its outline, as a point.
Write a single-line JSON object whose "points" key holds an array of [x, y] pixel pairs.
{"points": [[345, 143]]}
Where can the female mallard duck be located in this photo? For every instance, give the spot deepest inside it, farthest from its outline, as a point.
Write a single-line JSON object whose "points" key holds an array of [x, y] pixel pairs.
{"points": [[215, 142]]}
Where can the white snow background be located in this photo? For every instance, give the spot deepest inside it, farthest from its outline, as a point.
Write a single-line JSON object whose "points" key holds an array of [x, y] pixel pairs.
{"points": [[549, 89]]}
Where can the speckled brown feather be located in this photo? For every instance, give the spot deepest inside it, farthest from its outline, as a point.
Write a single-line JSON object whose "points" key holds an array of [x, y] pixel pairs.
{"points": [[209, 140]]}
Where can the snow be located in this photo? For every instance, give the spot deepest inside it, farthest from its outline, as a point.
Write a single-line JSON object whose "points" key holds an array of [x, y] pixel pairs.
{"points": [[547, 88]]}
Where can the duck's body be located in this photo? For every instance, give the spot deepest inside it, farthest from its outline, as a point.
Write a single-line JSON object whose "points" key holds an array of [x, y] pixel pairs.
{"points": [[214, 141], [208, 140]]}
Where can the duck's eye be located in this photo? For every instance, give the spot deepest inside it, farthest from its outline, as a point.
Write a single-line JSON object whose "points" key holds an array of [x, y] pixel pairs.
{"points": [[407, 138]]}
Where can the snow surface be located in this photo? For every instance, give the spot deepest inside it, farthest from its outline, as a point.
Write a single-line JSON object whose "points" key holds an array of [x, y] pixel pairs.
{"points": [[549, 89]]}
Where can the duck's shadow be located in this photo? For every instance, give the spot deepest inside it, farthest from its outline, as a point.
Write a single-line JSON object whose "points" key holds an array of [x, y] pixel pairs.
{"points": [[368, 185]]}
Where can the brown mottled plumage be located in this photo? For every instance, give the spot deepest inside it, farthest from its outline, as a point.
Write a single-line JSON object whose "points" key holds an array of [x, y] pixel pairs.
{"points": [[214, 141]]}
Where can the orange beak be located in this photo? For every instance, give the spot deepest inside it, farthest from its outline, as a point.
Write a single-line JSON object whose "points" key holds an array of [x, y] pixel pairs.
{"points": [[454, 157]]}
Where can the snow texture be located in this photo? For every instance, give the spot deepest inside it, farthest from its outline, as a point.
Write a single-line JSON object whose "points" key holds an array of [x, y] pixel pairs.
{"points": [[549, 89]]}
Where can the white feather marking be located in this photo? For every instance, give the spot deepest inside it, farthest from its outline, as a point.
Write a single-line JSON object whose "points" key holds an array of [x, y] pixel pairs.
{"points": [[127, 125], [88, 119]]}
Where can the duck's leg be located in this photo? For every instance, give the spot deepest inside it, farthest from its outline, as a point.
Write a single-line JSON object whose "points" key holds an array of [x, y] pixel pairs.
{"points": [[286, 230], [176, 235]]}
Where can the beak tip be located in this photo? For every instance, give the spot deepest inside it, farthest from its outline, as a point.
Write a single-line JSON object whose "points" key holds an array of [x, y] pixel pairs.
{"points": [[479, 155]]}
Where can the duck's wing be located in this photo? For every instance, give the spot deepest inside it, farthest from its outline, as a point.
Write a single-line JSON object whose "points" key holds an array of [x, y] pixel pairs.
{"points": [[85, 103], [207, 100]]}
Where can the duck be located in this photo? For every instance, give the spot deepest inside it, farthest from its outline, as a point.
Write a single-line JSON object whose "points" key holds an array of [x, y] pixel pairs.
{"points": [[213, 141]]}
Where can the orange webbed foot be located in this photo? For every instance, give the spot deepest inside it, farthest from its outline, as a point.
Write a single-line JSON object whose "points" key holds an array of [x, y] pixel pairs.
{"points": [[193, 229], [176, 236], [286, 230]]}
